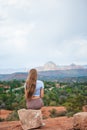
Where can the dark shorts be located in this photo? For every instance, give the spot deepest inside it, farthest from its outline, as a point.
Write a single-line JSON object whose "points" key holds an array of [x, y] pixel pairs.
{"points": [[35, 104]]}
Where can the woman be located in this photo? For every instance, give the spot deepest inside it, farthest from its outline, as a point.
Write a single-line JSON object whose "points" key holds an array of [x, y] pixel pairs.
{"points": [[34, 91]]}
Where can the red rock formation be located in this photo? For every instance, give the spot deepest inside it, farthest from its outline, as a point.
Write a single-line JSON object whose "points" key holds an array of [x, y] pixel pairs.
{"points": [[80, 121], [4, 113], [84, 108]]}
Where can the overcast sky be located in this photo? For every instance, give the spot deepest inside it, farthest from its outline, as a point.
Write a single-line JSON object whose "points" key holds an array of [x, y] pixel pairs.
{"points": [[33, 32]]}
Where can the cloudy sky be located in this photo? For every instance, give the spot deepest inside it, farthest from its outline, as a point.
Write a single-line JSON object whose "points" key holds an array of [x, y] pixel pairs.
{"points": [[33, 32]]}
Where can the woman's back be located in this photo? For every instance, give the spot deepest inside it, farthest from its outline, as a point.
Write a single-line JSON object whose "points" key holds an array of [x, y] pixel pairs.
{"points": [[34, 91], [39, 86]]}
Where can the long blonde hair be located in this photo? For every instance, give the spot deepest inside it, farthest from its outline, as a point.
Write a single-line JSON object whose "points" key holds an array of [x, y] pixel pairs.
{"points": [[31, 83]]}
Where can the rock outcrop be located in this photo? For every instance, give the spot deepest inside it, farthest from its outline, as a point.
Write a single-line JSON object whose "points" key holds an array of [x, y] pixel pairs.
{"points": [[77, 122], [80, 121], [84, 108], [30, 118], [46, 111], [4, 113]]}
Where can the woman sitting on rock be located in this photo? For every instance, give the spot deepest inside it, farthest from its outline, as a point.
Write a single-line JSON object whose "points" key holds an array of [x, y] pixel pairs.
{"points": [[34, 91]]}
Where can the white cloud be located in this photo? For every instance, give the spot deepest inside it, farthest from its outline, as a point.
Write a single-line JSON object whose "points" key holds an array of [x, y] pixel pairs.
{"points": [[74, 50], [34, 31]]}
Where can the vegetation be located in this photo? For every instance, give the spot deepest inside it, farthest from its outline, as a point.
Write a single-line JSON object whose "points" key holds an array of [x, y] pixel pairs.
{"points": [[12, 116], [71, 95], [1, 119]]}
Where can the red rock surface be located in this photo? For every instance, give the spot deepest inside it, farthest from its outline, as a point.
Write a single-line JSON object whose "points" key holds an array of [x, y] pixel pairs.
{"points": [[4, 113], [59, 123], [46, 110]]}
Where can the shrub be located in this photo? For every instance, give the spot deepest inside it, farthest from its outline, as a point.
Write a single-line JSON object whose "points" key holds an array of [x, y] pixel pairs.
{"points": [[13, 116], [1, 119]]}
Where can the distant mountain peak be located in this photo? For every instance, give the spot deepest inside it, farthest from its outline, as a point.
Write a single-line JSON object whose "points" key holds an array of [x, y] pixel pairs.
{"points": [[73, 64], [50, 63], [50, 66]]}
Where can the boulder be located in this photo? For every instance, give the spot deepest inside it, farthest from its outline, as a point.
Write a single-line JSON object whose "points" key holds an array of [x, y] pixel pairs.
{"points": [[30, 118], [80, 121], [84, 108]]}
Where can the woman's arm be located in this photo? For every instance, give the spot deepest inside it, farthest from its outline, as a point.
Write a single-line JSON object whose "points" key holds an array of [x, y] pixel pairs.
{"points": [[25, 91], [42, 92]]}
